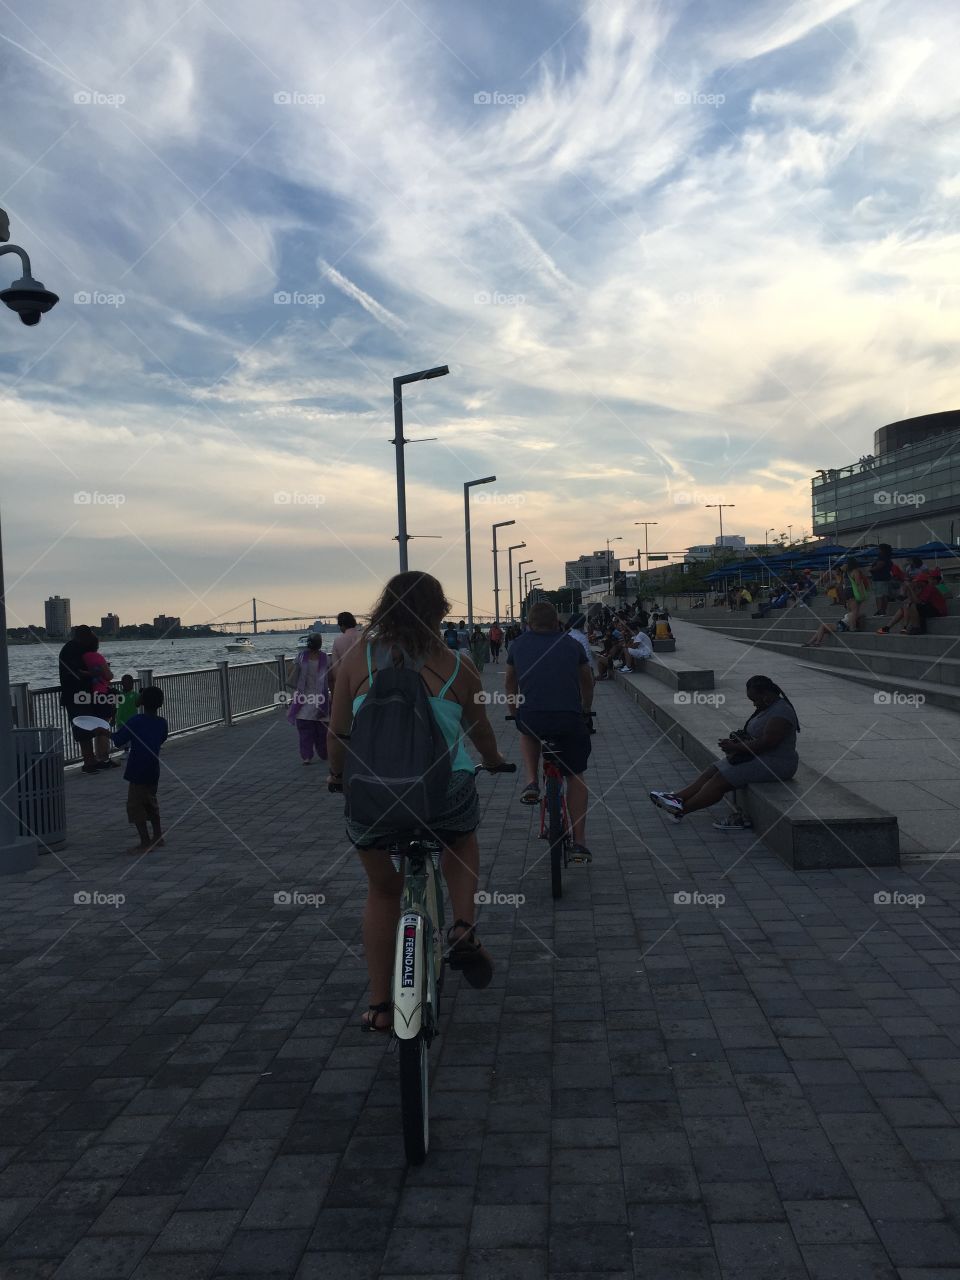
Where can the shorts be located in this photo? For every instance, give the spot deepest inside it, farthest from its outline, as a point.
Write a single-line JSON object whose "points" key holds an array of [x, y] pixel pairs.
{"points": [[638, 653], [460, 816], [142, 804], [756, 770], [566, 731]]}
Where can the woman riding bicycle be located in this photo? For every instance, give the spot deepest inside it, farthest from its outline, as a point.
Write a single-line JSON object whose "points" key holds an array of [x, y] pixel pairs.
{"points": [[405, 625]]}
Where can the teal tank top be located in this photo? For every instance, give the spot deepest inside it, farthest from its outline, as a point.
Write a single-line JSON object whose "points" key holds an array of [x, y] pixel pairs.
{"points": [[448, 714]]}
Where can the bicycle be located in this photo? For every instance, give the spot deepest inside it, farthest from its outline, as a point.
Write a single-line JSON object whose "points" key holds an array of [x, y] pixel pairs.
{"points": [[418, 978], [554, 818]]}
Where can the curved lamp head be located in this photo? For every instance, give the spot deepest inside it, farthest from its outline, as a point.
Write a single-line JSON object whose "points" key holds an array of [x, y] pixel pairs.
{"points": [[29, 299]]}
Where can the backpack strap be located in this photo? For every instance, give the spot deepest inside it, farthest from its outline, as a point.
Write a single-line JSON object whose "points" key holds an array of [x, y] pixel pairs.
{"points": [[369, 667], [456, 671]]}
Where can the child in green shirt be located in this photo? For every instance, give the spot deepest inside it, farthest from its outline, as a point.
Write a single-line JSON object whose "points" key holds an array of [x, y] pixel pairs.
{"points": [[126, 703]]}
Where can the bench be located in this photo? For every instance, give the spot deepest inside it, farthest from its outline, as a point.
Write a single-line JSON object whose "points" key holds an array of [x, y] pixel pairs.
{"points": [[811, 823]]}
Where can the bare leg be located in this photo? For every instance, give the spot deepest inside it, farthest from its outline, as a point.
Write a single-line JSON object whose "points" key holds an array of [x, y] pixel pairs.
{"points": [[460, 864], [101, 746], [697, 783], [380, 917], [86, 751], [709, 794], [530, 755], [577, 806]]}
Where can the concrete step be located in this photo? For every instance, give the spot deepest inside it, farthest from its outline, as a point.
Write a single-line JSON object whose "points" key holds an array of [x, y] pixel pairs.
{"points": [[677, 674], [884, 676]]}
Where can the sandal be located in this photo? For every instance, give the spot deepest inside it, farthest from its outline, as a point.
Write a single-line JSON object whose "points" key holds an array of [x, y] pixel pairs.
{"points": [[374, 1011], [580, 855], [467, 955], [530, 794]]}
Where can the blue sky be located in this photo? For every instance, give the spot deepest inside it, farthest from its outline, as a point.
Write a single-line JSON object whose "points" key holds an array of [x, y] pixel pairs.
{"points": [[673, 254]]}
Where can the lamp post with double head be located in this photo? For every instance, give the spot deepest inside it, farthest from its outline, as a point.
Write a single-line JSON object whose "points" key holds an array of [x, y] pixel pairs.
{"points": [[618, 538], [398, 443], [30, 300], [520, 565], [501, 524]]}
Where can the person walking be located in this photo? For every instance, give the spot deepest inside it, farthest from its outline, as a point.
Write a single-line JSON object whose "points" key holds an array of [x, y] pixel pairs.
{"points": [[350, 633], [479, 648], [496, 641], [310, 704]]}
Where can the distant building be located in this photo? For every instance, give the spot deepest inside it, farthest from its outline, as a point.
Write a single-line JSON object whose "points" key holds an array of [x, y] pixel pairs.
{"points": [[589, 571], [56, 617], [162, 623], [735, 540], [907, 492], [109, 625]]}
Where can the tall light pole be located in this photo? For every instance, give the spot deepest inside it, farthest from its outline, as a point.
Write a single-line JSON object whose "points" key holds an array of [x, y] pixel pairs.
{"points": [[520, 565], [28, 298], [772, 529], [510, 550], [501, 524], [398, 442], [468, 485], [646, 525], [618, 538], [721, 507]]}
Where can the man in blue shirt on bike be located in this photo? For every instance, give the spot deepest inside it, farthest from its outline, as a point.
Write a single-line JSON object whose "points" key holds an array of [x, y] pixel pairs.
{"points": [[549, 676]]}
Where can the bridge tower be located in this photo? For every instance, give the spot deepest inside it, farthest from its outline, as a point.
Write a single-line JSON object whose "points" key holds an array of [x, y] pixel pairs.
{"points": [[254, 615]]}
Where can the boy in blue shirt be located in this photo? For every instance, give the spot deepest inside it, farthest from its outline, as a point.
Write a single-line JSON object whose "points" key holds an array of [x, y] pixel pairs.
{"points": [[145, 733]]}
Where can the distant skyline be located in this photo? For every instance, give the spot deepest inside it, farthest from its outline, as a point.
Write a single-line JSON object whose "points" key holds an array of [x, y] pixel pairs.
{"points": [[673, 255]]}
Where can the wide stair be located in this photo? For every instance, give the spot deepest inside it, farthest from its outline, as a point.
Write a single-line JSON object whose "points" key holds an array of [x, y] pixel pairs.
{"points": [[926, 667]]}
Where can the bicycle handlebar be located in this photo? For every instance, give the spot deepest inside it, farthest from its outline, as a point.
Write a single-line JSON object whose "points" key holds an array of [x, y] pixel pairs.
{"points": [[506, 767], [591, 714]]}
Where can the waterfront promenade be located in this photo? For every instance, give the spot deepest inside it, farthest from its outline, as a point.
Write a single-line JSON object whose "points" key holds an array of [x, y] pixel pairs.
{"points": [[697, 1064]]}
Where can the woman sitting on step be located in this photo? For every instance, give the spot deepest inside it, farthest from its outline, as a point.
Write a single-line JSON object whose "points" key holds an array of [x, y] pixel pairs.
{"points": [[764, 750]]}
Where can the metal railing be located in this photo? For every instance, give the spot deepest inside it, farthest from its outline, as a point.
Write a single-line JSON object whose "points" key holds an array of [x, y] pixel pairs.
{"points": [[192, 700]]}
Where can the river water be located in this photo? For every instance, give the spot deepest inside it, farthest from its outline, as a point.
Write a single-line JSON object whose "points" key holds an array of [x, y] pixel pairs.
{"points": [[37, 663]]}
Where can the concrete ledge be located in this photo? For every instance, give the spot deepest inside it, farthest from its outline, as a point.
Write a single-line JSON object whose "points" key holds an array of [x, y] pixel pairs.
{"points": [[811, 823], [665, 646], [677, 675]]}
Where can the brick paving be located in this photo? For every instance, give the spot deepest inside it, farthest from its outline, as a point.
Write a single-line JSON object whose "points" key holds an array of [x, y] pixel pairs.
{"points": [[764, 1088]]}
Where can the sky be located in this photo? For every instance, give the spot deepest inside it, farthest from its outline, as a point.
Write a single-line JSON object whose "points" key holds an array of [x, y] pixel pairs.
{"points": [[673, 254]]}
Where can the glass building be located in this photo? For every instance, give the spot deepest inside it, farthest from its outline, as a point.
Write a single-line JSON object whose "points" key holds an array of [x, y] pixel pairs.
{"points": [[906, 493]]}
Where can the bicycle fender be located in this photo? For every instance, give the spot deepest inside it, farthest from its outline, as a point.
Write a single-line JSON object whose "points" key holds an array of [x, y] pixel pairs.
{"points": [[409, 979]]}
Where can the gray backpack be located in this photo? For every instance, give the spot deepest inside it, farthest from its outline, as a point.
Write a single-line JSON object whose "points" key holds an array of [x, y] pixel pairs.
{"points": [[398, 765]]}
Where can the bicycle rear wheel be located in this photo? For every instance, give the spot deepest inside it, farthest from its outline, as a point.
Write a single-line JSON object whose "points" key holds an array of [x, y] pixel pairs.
{"points": [[414, 1097], [555, 833]]}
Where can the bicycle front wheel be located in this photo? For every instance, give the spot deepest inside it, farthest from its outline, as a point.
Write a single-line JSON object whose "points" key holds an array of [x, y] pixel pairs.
{"points": [[554, 802], [415, 1097]]}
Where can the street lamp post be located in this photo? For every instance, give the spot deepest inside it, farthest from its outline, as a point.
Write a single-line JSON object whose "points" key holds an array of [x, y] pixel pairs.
{"points": [[510, 550], [468, 485], [502, 524], [647, 525], [28, 298], [721, 507], [520, 565], [398, 442], [618, 538]]}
